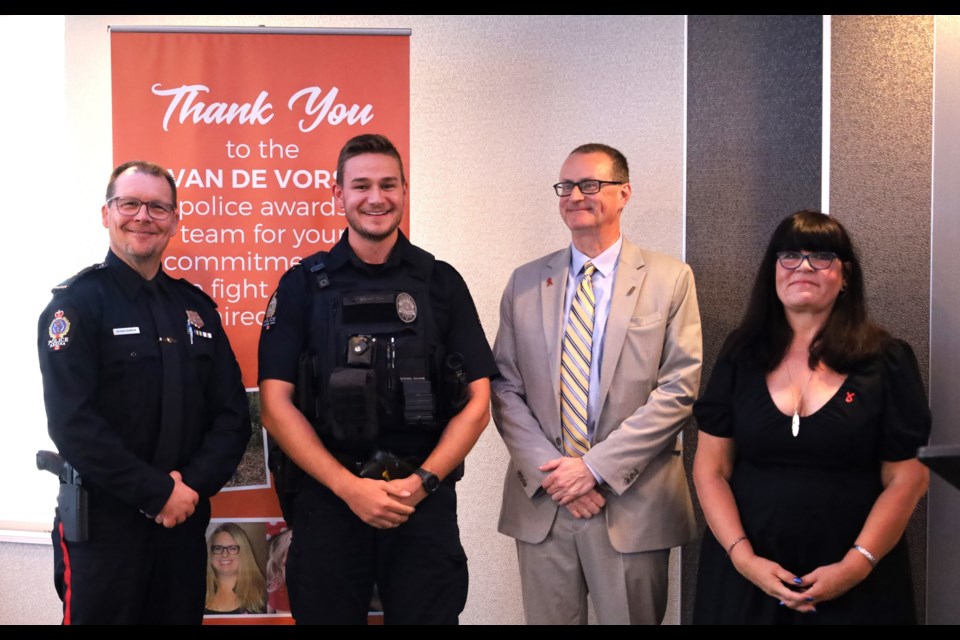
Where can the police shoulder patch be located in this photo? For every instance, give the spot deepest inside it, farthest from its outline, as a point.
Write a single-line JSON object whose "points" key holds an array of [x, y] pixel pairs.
{"points": [[270, 317], [58, 330]]}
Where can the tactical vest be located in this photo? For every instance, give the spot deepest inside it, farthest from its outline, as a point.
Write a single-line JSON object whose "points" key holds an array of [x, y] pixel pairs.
{"points": [[373, 370]]}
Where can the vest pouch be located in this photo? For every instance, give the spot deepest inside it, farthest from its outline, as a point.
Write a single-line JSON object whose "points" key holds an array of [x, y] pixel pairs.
{"points": [[418, 402], [352, 405], [418, 393]]}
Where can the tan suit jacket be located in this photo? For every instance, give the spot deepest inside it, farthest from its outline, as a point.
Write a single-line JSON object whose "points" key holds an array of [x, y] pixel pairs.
{"points": [[649, 379]]}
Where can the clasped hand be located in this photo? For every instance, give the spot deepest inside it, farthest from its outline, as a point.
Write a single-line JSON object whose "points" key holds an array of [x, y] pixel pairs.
{"points": [[180, 505], [800, 593], [383, 504], [572, 484]]}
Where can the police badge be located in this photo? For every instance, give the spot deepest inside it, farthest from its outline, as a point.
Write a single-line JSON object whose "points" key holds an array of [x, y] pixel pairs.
{"points": [[406, 307], [194, 326], [59, 328], [194, 319]]}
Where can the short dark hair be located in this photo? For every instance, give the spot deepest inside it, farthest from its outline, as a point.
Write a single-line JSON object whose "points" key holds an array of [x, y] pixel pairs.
{"points": [[368, 143], [848, 337], [142, 166], [621, 170]]}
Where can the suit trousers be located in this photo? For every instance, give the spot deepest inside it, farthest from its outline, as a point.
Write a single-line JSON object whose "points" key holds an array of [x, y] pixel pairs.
{"points": [[575, 559]]}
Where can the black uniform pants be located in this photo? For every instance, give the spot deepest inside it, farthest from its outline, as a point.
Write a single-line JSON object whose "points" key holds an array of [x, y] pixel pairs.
{"points": [[335, 559], [132, 571]]}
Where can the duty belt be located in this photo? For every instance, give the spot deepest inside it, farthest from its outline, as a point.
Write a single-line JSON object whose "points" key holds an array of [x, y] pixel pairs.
{"points": [[383, 465]]}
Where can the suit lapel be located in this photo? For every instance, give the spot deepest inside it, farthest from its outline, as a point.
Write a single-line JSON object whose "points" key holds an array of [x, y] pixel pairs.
{"points": [[553, 287], [623, 300]]}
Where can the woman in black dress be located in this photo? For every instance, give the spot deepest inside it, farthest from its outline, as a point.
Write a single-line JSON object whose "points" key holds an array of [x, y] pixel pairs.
{"points": [[806, 464]]}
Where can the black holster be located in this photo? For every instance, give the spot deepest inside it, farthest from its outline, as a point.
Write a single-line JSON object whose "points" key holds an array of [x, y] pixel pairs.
{"points": [[73, 502], [454, 380], [287, 479], [73, 508]]}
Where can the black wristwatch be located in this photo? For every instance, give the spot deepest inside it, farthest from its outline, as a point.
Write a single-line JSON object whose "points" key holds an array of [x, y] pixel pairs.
{"points": [[430, 482]]}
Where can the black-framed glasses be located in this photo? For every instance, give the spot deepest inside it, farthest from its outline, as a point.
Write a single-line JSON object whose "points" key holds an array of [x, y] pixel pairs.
{"points": [[818, 260], [230, 549], [586, 187], [131, 207]]}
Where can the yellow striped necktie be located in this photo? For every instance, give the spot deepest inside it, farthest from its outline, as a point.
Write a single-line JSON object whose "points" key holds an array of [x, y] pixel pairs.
{"points": [[575, 367]]}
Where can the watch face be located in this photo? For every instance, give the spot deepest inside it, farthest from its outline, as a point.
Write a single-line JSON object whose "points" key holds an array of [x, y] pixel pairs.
{"points": [[430, 481]]}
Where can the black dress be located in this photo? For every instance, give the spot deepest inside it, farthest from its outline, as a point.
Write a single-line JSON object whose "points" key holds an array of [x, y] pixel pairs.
{"points": [[803, 500]]}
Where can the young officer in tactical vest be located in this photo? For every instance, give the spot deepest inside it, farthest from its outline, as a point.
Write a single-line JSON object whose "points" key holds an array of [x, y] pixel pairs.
{"points": [[374, 380]]}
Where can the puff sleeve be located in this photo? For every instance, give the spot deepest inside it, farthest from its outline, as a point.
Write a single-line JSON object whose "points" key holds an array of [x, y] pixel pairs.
{"points": [[714, 409], [905, 417]]}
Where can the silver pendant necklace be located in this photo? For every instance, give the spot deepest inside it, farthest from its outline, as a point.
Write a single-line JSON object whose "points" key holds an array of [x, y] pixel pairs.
{"points": [[798, 401]]}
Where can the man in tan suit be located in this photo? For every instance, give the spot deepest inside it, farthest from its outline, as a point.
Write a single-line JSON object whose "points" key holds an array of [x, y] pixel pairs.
{"points": [[599, 351]]}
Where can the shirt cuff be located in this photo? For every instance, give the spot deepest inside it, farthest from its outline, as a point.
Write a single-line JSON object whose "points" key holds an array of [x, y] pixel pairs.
{"points": [[596, 476]]}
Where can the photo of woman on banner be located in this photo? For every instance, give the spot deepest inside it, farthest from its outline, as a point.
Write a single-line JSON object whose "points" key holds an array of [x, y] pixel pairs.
{"points": [[235, 581]]}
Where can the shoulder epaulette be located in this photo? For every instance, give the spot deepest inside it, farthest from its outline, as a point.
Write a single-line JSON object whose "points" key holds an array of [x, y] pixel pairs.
{"points": [[319, 270], [63, 286], [193, 287], [292, 269], [317, 264], [423, 259], [422, 254], [313, 258]]}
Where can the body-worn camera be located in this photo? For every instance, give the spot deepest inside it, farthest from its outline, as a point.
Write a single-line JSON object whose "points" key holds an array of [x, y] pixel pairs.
{"points": [[360, 351]]}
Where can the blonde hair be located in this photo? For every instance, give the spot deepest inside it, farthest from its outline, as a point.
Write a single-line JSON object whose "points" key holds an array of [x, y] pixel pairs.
{"points": [[251, 586], [277, 560]]}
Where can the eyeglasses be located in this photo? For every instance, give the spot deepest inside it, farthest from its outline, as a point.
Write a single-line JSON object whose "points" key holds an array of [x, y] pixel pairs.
{"points": [[586, 187], [230, 550], [818, 260], [131, 207]]}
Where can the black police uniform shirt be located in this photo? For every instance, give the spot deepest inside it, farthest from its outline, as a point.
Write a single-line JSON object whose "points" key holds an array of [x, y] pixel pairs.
{"points": [[102, 381], [285, 335]]}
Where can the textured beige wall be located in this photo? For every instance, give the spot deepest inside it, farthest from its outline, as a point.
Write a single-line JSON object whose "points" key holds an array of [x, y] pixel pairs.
{"points": [[496, 104], [27, 595]]}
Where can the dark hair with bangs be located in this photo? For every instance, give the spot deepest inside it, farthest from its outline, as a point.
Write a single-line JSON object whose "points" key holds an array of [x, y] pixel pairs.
{"points": [[848, 337], [368, 143]]}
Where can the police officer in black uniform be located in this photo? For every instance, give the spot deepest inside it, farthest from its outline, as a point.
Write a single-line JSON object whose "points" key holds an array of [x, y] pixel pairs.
{"points": [[144, 400], [374, 379]]}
